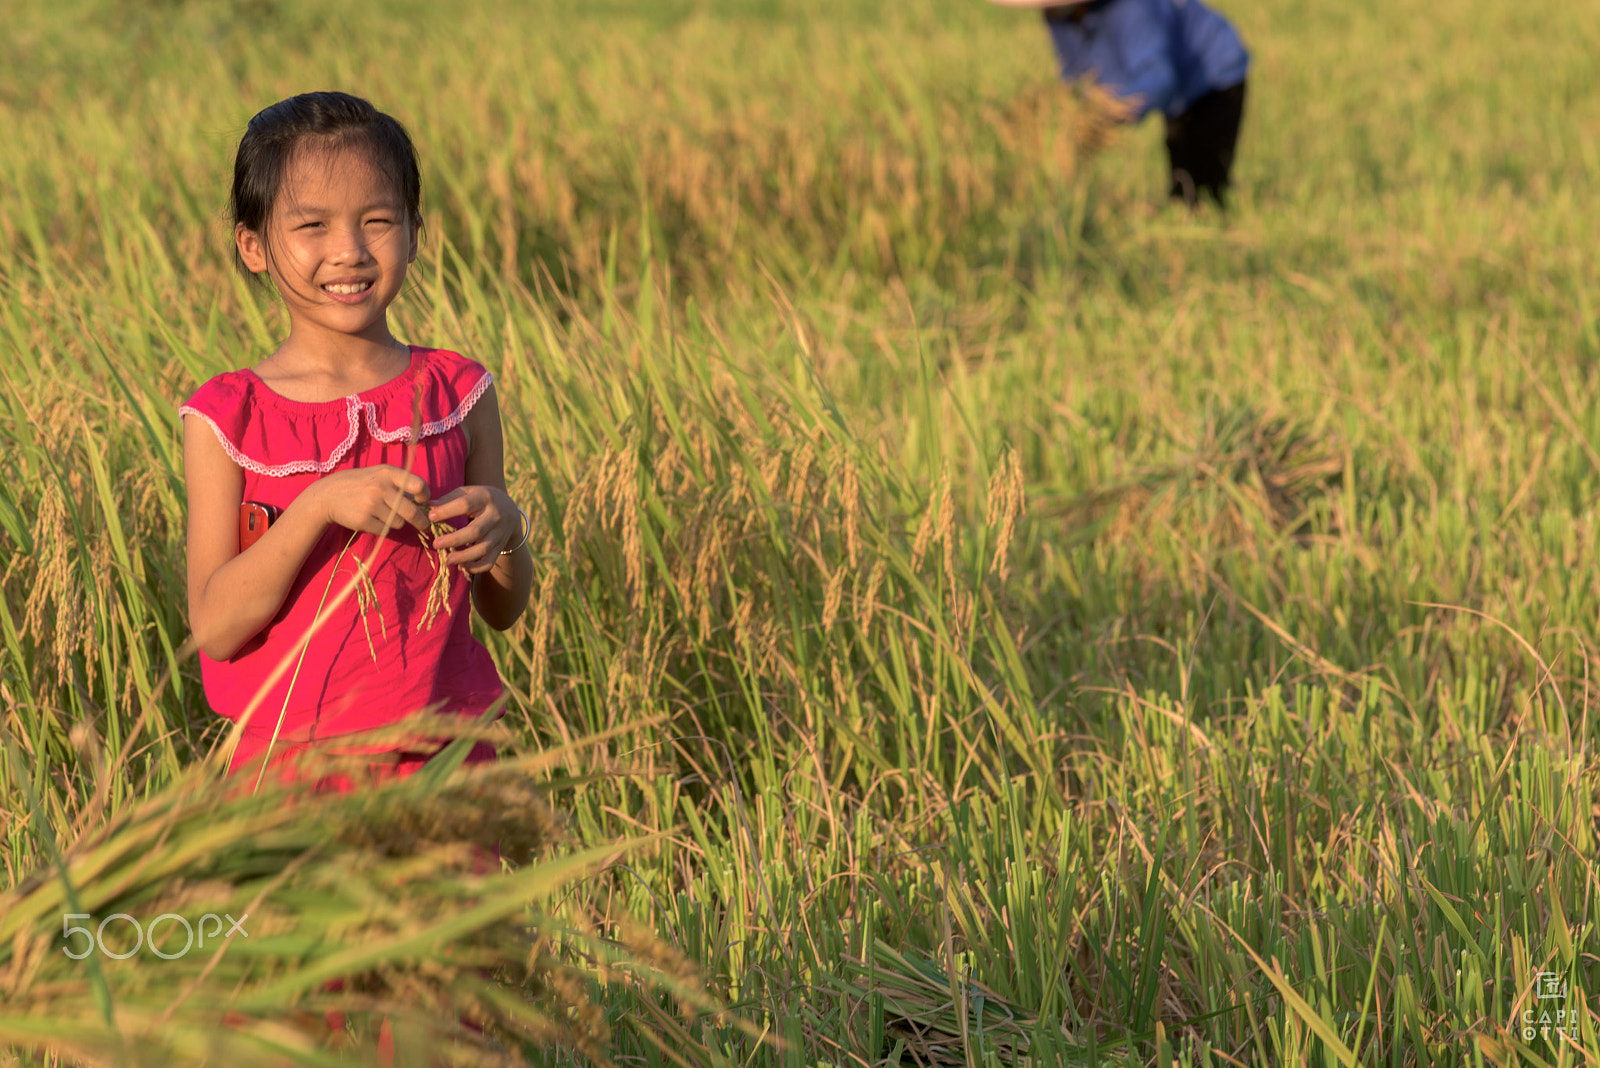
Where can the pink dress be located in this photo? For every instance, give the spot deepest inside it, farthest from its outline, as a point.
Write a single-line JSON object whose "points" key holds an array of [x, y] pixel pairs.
{"points": [[366, 666]]}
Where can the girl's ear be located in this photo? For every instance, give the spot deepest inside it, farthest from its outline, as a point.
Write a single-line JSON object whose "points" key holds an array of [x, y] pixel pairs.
{"points": [[416, 228], [251, 249]]}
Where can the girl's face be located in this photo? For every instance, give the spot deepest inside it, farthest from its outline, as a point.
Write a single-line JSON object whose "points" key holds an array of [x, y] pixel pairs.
{"points": [[337, 244]]}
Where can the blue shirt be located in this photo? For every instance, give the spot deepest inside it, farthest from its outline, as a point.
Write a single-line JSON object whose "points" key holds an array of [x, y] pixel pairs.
{"points": [[1156, 54]]}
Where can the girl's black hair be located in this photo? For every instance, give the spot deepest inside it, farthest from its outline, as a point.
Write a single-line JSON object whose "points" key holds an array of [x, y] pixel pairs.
{"points": [[339, 120]]}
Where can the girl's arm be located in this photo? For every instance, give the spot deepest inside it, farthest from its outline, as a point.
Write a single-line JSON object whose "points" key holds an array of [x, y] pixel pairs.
{"points": [[232, 595], [500, 584]]}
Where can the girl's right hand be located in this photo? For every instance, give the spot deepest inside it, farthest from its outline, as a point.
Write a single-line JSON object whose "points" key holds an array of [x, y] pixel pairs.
{"points": [[374, 500]]}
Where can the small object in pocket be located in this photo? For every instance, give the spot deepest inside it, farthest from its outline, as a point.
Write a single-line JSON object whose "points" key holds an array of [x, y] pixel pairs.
{"points": [[254, 519]]}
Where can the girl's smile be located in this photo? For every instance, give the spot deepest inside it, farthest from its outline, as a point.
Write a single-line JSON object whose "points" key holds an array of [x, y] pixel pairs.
{"points": [[352, 292]]}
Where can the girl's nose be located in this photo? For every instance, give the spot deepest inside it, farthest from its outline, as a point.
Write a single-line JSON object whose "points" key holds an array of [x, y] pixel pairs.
{"points": [[349, 246]]}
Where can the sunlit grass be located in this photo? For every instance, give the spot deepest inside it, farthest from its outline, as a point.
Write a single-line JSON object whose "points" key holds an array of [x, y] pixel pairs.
{"points": [[1034, 619]]}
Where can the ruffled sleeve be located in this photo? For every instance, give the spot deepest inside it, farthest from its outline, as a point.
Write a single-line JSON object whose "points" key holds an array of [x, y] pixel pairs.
{"points": [[258, 435]]}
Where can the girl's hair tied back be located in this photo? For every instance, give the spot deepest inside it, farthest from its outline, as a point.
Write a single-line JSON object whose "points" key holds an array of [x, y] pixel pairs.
{"points": [[335, 120]]}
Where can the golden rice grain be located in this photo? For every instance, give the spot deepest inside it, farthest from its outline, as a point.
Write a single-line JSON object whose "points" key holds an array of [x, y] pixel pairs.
{"points": [[947, 529], [850, 499], [831, 597], [924, 535], [367, 599], [1005, 503], [439, 591], [544, 615], [867, 603], [799, 474]]}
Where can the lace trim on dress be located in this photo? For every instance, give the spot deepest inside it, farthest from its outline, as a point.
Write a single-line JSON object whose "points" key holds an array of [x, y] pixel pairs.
{"points": [[449, 422], [293, 467], [353, 414]]}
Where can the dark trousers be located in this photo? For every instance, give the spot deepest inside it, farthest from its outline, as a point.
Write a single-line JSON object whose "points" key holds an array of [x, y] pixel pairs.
{"points": [[1200, 145]]}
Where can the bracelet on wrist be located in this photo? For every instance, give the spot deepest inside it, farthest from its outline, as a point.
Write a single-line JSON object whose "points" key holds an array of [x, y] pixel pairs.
{"points": [[526, 528]]}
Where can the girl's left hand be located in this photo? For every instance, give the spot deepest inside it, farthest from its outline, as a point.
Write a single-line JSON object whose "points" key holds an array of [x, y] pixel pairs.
{"points": [[495, 524]]}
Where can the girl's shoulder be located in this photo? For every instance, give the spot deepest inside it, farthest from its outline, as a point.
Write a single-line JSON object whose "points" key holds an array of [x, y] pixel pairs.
{"points": [[231, 389], [433, 397], [450, 384]]}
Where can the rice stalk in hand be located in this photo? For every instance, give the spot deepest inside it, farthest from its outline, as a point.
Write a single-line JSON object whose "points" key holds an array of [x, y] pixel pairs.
{"points": [[367, 599], [439, 592], [1099, 117]]}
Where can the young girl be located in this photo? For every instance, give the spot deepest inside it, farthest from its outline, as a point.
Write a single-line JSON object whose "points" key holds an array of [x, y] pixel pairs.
{"points": [[349, 446]]}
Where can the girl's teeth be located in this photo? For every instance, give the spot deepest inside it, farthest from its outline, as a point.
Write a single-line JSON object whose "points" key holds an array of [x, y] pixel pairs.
{"points": [[347, 290]]}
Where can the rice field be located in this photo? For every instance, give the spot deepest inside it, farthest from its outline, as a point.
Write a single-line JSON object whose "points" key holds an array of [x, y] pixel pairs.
{"points": [[983, 615]]}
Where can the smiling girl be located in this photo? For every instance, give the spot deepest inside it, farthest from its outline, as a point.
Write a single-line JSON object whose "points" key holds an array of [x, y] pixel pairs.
{"points": [[347, 445]]}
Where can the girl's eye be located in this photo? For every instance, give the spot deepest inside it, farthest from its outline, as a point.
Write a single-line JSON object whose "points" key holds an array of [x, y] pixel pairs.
{"points": [[308, 226], [379, 222]]}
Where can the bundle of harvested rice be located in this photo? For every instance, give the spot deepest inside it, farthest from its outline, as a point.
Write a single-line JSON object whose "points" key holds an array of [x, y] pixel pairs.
{"points": [[210, 925], [934, 1018]]}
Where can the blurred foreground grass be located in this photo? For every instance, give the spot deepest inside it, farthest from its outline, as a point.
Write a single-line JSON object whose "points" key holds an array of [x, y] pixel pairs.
{"points": [[346, 915], [1037, 621]]}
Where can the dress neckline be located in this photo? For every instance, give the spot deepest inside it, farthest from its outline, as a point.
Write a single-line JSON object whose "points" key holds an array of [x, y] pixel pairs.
{"points": [[418, 357]]}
